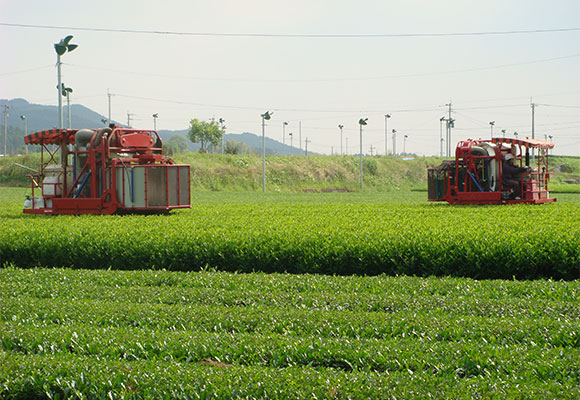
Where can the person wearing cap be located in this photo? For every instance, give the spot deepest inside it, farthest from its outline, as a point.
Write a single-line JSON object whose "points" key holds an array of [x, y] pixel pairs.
{"points": [[511, 175]]}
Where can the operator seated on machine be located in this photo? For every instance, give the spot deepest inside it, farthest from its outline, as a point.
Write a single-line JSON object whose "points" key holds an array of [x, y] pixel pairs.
{"points": [[511, 175]]}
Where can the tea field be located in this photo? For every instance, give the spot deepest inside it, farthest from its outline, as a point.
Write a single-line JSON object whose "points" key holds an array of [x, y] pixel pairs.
{"points": [[365, 234], [159, 334], [197, 304]]}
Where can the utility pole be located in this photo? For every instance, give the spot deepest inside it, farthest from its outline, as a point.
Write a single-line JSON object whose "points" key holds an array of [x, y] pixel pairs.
{"points": [[491, 124], [23, 118], [61, 48], [284, 124], [306, 145], [503, 133], [109, 96], [372, 149], [155, 116], [441, 135], [129, 116], [340, 127], [223, 128], [394, 142], [291, 136], [449, 126], [387, 116], [265, 117], [68, 92], [533, 105], [6, 107], [361, 122]]}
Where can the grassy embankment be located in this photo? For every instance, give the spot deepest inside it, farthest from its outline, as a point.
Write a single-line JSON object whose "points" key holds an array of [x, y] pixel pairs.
{"points": [[216, 172]]}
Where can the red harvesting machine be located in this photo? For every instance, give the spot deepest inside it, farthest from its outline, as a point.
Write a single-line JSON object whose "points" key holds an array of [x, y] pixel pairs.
{"points": [[476, 174], [105, 171]]}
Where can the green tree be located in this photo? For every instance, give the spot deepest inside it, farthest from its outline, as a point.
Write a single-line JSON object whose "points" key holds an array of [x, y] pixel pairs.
{"points": [[205, 133], [235, 147], [176, 144]]}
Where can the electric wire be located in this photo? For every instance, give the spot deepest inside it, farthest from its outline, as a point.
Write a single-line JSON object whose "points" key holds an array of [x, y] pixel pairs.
{"points": [[315, 80], [294, 35]]}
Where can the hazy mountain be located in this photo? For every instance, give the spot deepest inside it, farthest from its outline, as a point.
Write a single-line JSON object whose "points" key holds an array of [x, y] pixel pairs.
{"points": [[40, 117], [273, 147]]}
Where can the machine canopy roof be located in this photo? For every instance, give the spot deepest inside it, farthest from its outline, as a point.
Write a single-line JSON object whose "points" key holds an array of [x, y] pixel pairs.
{"points": [[51, 136], [533, 143]]}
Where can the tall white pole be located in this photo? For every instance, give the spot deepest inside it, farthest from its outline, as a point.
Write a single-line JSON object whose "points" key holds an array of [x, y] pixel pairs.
{"points": [[449, 125], [23, 118], [223, 128], [441, 137], [25, 129], [109, 96], [387, 116], [263, 155], [68, 109], [6, 107], [447, 138], [59, 89], [533, 132], [361, 161], [340, 127]]}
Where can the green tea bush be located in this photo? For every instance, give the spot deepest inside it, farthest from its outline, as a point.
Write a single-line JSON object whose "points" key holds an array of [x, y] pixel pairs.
{"points": [[523, 241], [161, 334]]}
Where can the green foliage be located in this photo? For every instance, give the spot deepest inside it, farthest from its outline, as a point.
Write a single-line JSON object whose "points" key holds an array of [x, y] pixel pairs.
{"points": [[243, 172], [175, 145], [370, 165], [160, 334], [205, 132], [15, 175], [311, 234], [234, 147]]}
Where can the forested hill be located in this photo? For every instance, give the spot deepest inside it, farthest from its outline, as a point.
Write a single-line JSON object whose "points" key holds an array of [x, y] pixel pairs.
{"points": [[40, 117]]}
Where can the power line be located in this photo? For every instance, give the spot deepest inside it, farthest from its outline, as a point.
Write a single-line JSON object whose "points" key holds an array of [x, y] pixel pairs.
{"points": [[26, 70], [294, 35], [559, 106], [272, 108], [368, 78]]}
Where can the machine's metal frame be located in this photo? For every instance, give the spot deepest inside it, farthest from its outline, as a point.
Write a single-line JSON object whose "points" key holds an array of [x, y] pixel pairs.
{"points": [[475, 176], [83, 177]]}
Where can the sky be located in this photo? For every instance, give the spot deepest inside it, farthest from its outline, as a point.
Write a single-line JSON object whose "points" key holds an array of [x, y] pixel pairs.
{"points": [[315, 64]]}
